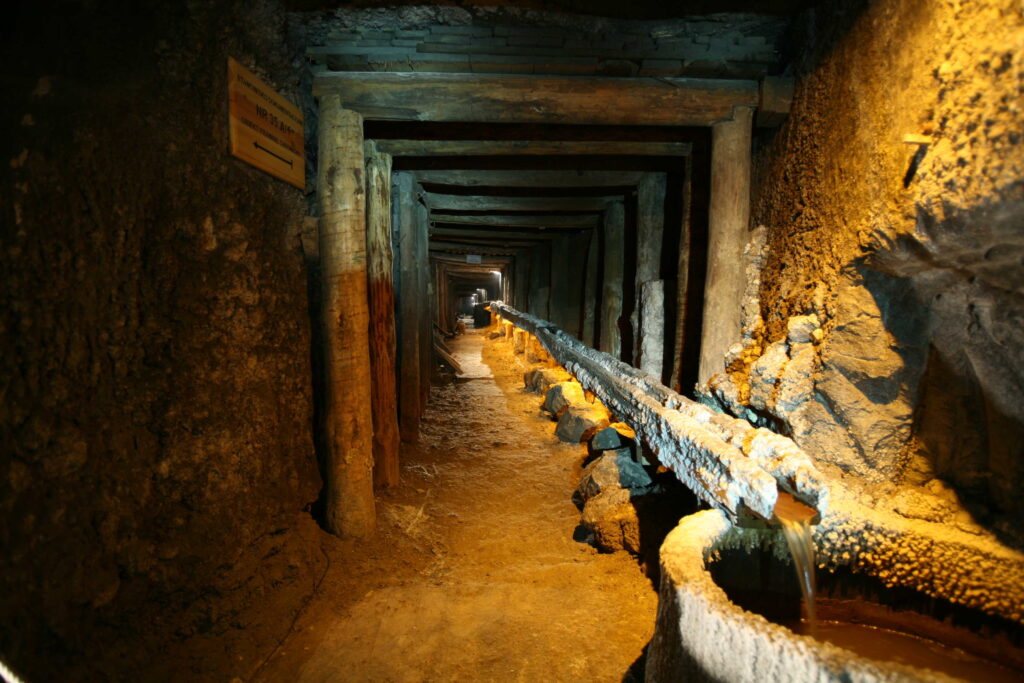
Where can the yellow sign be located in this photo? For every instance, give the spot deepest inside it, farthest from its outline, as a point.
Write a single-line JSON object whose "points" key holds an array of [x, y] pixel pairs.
{"points": [[266, 129]]}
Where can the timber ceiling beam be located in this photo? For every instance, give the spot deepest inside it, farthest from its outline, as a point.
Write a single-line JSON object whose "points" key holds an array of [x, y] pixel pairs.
{"points": [[490, 263], [547, 221], [446, 202], [459, 248], [530, 178], [514, 98], [461, 148], [537, 235]]}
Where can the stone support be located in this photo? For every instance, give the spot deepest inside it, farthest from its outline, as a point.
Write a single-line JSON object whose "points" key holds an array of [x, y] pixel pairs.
{"points": [[729, 214], [348, 421]]}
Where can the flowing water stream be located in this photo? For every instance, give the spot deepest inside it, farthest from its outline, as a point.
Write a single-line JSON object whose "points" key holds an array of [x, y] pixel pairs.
{"points": [[795, 519]]}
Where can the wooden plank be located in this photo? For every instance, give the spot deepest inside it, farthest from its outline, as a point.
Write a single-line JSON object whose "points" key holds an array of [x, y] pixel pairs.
{"points": [[425, 295], [472, 178], [348, 420], [460, 248], [471, 242], [497, 234], [265, 129], [458, 148], [610, 340], [409, 411], [515, 98], [450, 202], [379, 269], [728, 219], [549, 222]]}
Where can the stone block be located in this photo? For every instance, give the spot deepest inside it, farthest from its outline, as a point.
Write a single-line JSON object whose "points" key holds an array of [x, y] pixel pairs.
{"points": [[519, 338], [615, 435], [540, 380], [612, 519], [614, 469], [578, 423], [562, 395]]}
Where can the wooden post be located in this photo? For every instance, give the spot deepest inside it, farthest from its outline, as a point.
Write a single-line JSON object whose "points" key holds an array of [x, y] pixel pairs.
{"points": [[590, 290], [649, 329], [682, 279], [410, 310], [728, 216], [348, 419], [561, 284], [521, 273], [540, 280], [425, 296], [614, 265], [379, 263]]}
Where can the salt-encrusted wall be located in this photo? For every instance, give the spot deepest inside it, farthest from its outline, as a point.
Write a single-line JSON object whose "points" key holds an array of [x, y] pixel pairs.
{"points": [[886, 331], [155, 428]]}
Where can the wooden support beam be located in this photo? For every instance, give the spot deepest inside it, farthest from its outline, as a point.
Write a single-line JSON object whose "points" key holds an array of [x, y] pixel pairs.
{"points": [[463, 248], [380, 264], [728, 218], [610, 340], [550, 222], [410, 310], [682, 279], [486, 241], [590, 290], [453, 202], [425, 301], [350, 511], [500, 235], [506, 98], [540, 280], [462, 148], [648, 318], [484, 178]]}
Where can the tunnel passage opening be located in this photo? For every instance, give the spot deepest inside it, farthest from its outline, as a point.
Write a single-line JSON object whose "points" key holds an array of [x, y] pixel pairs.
{"points": [[530, 201]]}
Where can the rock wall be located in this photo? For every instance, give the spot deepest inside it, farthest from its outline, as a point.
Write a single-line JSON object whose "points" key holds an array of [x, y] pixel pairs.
{"points": [[154, 337], [885, 332]]}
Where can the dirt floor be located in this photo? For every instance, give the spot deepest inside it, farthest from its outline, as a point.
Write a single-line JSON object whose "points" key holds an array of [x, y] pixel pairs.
{"points": [[474, 574]]}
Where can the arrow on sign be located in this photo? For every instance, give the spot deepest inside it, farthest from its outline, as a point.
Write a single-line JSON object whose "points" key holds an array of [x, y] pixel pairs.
{"points": [[276, 156]]}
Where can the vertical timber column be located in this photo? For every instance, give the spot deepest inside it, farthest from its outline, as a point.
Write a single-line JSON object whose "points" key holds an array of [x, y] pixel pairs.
{"points": [[561, 277], [380, 262], [729, 214], [614, 267], [348, 419], [425, 296], [521, 271], [649, 322], [540, 281], [682, 279], [590, 289], [409, 410]]}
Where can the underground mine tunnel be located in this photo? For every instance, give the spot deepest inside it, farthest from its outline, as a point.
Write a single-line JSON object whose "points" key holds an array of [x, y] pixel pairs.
{"points": [[548, 340]]}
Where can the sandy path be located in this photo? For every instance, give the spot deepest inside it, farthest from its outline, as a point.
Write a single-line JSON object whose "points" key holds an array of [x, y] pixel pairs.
{"points": [[475, 574]]}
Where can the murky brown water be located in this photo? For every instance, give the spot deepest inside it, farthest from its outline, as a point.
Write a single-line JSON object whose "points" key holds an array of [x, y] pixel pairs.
{"points": [[893, 646]]}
